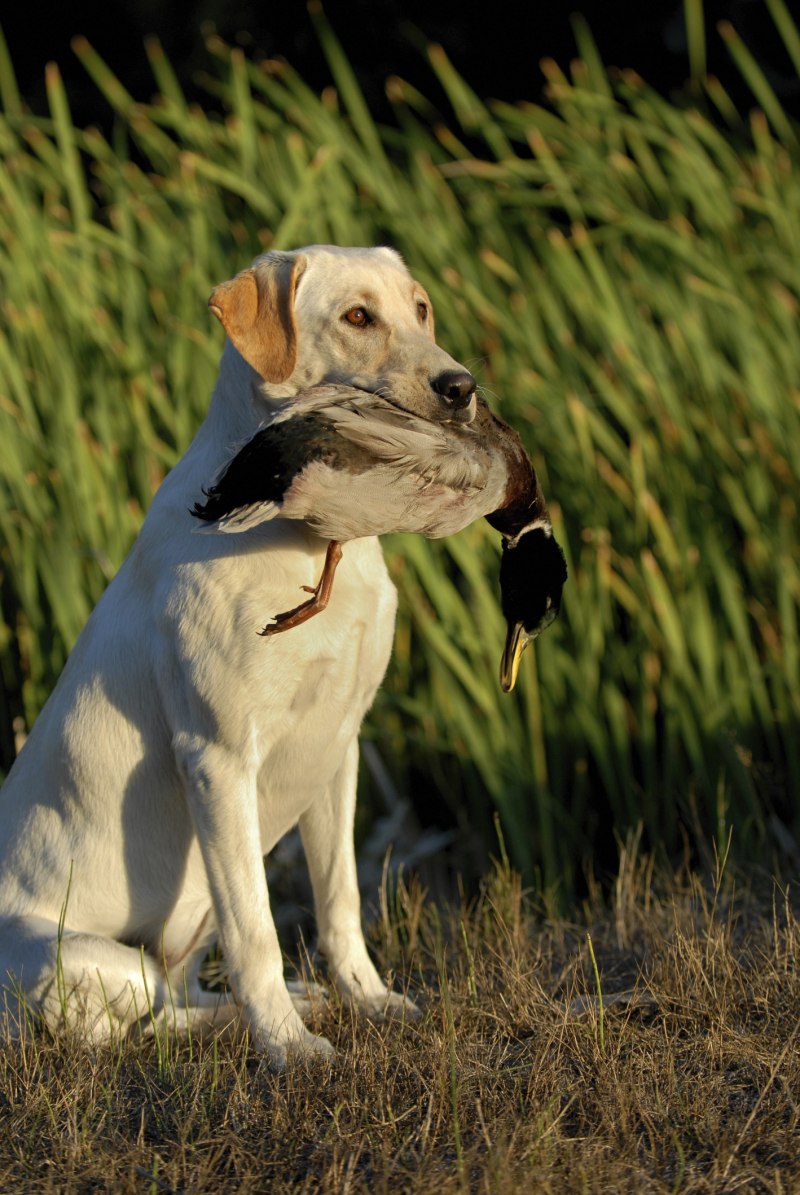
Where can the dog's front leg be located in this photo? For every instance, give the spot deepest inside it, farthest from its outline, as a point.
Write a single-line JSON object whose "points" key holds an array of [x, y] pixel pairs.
{"points": [[222, 798], [327, 832]]}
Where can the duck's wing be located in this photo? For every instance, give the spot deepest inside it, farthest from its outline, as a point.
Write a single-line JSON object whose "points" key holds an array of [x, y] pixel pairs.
{"points": [[244, 518], [250, 489], [447, 454]]}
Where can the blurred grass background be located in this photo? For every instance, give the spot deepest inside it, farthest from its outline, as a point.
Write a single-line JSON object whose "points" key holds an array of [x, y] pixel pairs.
{"points": [[623, 276]]}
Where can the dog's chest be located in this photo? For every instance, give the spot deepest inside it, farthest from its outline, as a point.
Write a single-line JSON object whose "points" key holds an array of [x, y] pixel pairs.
{"points": [[322, 678]]}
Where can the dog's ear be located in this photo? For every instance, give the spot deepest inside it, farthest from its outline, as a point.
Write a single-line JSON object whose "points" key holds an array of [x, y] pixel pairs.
{"points": [[256, 309]]}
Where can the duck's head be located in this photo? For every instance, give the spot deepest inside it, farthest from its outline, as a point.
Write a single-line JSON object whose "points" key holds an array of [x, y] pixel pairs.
{"points": [[532, 576]]}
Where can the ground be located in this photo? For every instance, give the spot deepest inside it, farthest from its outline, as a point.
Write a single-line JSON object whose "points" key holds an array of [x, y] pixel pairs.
{"points": [[649, 1044]]}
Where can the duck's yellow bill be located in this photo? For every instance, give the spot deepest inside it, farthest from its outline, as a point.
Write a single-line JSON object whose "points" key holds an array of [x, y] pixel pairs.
{"points": [[516, 642]]}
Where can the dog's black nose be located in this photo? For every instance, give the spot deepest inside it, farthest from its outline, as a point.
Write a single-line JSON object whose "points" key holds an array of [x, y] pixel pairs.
{"points": [[456, 385]]}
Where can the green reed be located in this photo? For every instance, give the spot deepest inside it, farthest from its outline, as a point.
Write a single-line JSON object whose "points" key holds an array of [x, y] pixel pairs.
{"points": [[623, 276]]}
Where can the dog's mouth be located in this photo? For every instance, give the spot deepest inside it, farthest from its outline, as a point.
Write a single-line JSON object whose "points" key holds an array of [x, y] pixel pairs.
{"points": [[465, 414], [369, 385], [426, 403]]}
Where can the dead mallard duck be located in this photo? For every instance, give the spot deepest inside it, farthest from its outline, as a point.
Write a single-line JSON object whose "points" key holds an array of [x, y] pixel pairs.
{"points": [[350, 463]]}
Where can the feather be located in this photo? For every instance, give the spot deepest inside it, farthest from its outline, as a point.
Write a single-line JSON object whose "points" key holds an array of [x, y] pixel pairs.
{"points": [[242, 518], [351, 463]]}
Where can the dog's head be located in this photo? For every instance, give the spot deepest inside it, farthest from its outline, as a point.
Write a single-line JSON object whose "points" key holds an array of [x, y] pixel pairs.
{"points": [[356, 316]]}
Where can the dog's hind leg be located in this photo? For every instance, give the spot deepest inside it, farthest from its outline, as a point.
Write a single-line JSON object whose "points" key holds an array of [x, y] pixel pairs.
{"points": [[78, 982], [211, 1015], [214, 1014]]}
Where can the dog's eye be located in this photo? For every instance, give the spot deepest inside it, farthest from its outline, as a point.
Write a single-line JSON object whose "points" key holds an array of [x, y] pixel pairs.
{"points": [[358, 317], [422, 311]]}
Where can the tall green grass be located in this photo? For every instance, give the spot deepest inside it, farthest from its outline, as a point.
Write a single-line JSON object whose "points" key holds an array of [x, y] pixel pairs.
{"points": [[623, 276]]}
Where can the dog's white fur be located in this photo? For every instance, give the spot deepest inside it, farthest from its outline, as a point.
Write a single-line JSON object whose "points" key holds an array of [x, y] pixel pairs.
{"points": [[178, 746]]}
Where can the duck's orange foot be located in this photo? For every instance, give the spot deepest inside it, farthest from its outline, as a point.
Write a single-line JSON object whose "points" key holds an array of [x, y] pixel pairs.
{"points": [[316, 603]]}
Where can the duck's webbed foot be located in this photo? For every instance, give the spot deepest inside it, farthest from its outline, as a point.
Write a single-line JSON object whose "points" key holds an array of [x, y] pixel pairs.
{"points": [[316, 603]]}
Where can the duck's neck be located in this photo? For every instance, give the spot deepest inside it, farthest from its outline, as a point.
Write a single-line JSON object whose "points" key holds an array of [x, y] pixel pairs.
{"points": [[524, 507]]}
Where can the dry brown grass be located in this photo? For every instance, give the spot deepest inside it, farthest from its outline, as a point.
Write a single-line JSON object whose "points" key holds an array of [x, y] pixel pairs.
{"points": [[674, 1067]]}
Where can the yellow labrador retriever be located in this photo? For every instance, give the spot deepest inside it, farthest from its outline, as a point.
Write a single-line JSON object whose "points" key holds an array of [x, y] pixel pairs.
{"points": [[178, 746]]}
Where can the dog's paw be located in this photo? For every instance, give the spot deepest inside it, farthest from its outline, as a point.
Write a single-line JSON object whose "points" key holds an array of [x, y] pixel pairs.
{"points": [[307, 1048], [313, 1047], [393, 1006]]}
